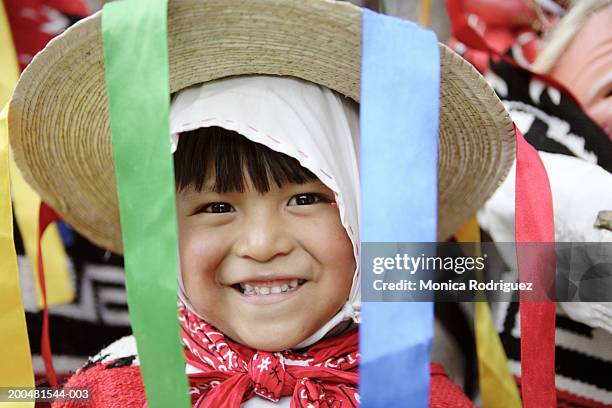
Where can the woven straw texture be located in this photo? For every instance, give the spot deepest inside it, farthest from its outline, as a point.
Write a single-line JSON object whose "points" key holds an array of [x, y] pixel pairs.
{"points": [[59, 123]]}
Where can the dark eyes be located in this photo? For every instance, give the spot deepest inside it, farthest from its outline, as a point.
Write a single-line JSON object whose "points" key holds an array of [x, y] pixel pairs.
{"points": [[217, 208], [306, 199], [298, 199]]}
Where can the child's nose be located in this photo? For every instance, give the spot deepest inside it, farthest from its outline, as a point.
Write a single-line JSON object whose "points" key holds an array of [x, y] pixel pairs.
{"points": [[262, 238]]}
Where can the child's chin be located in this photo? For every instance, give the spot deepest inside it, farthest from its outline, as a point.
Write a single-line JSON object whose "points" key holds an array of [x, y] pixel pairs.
{"points": [[267, 340]]}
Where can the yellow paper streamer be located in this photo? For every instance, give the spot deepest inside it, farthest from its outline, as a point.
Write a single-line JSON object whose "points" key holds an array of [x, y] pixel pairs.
{"points": [[26, 201], [9, 69], [497, 387], [425, 13], [57, 278], [16, 367]]}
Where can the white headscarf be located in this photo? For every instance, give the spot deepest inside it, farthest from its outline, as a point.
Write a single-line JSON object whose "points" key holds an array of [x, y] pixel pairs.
{"points": [[303, 120]]}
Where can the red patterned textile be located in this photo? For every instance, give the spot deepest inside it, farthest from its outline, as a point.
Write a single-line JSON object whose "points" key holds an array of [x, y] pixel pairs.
{"points": [[223, 373], [505, 25], [113, 385], [228, 373], [35, 22]]}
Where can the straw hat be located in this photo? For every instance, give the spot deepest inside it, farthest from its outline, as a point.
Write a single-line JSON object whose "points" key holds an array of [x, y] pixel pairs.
{"points": [[59, 122]]}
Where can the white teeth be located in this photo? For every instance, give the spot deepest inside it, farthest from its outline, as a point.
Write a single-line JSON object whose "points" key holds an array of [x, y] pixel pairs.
{"points": [[266, 290]]}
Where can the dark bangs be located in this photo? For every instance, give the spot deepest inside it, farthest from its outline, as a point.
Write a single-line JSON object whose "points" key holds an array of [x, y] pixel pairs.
{"points": [[227, 158]]}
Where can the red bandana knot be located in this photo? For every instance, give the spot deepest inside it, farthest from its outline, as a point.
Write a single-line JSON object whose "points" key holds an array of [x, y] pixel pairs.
{"points": [[310, 392], [267, 371]]}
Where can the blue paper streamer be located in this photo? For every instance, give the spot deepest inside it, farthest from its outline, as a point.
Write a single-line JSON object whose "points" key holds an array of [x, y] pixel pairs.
{"points": [[400, 88], [66, 233]]}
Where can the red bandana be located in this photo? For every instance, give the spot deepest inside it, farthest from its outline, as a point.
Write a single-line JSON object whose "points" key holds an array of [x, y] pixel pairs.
{"points": [[225, 373]]}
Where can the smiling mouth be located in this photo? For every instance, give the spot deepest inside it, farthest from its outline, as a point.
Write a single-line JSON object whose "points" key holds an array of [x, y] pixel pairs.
{"points": [[266, 288]]}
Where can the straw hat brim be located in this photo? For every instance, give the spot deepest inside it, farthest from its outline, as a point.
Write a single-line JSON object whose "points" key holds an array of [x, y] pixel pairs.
{"points": [[59, 122]]}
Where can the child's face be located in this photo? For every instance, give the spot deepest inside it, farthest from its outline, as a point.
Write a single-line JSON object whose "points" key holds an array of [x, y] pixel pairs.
{"points": [[234, 243]]}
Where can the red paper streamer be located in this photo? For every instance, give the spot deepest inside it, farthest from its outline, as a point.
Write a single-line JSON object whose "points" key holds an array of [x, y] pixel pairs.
{"points": [[46, 217], [535, 224]]}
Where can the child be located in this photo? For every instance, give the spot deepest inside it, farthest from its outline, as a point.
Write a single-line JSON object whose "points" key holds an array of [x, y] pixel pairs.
{"points": [[267, 205], [267, 266]]}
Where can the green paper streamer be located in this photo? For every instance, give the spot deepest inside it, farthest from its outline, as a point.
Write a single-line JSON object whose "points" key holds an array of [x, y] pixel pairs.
{"points": [[135, 40]]}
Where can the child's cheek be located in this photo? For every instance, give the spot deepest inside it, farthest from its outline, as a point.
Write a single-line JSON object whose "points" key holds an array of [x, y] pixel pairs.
{"points": [[328, 242], [200, 258], [330, 233]]}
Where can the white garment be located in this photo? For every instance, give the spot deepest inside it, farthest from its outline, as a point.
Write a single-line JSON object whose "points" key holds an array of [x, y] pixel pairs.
{"points": [[579, 191], [303, 120]]}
